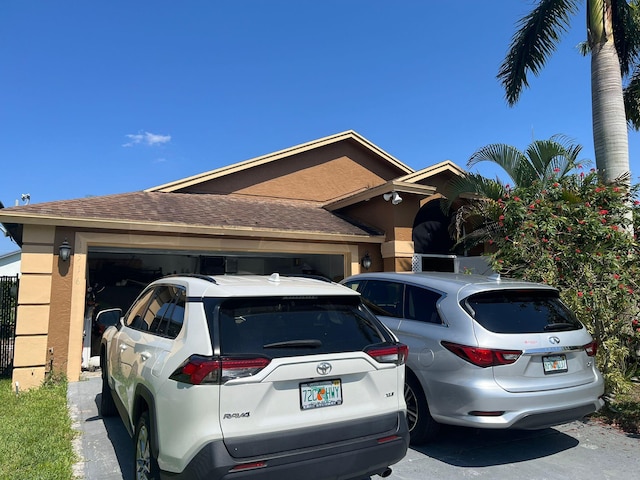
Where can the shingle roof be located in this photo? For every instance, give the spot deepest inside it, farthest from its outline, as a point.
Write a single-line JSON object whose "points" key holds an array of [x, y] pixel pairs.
{"points": [[191, 209]]}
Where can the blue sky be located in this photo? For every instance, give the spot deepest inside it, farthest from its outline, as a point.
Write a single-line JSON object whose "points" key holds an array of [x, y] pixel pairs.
{"points": [[99, 98]]}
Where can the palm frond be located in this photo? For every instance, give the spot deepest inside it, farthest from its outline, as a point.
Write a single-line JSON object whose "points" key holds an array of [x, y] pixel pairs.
{"points": [[507, 157], [632, 100], [474, 185], [626, 33], [535, 40]]}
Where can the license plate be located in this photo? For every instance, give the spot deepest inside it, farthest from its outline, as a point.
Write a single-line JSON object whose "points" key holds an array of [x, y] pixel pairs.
{"points": [[555, 364], [325, 393]]}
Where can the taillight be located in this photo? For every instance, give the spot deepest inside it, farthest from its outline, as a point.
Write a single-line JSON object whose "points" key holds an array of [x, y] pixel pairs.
{"points": [[198, 370], [393, 354], [591, 348], [483, 357]]}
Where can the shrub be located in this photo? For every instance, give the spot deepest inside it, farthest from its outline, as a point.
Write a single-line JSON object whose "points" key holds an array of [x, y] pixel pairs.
{"points": [[574, 235]]}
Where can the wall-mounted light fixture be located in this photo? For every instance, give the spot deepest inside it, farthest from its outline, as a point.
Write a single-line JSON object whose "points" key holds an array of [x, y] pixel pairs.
{"points": [[393, 196], [65, 250], [366, 261]]}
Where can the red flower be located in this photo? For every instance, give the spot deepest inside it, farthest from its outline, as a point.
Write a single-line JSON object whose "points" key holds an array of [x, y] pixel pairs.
{"points": [[616, 276], [587, 204], [556, 184], [636, 202], [580, 294], [614, 227], [501, 217], [544, 240], [578, 250], [599, 189], [516, 199], [603, 212]]}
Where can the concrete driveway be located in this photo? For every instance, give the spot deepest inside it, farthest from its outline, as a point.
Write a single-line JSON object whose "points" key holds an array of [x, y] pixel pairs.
{"points": [[576, 450]]}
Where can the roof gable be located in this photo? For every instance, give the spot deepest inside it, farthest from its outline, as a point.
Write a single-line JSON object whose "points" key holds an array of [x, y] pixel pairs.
{"points": [[320, 171]]}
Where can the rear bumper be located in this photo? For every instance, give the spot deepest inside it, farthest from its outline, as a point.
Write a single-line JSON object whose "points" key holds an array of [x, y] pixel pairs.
{"points": [[353, 458], [454, 405]]}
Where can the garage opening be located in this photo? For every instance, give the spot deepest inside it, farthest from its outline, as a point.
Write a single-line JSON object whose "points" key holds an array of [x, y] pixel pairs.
{"points": [[117, 276]]}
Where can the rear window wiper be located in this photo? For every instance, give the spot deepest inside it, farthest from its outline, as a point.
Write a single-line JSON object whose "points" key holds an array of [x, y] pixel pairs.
{"points": [[554, 327], [314, 343]]}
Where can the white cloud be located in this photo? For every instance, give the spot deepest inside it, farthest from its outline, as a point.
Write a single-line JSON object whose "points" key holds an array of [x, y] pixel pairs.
{"points": [[146, 138]]}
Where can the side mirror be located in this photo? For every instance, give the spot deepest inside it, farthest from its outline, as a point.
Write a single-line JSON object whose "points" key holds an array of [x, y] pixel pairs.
{"points": [[109, 318]]}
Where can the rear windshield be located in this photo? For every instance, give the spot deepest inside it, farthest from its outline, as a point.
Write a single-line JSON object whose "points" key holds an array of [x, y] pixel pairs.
{"points": [[517, 311], [279, 327]]}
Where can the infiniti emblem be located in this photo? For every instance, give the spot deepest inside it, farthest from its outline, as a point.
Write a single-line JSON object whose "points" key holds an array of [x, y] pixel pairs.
{"points": [[323, 368], [554, 340]]}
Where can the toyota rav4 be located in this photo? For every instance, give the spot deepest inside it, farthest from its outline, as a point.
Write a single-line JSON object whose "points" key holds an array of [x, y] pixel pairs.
{"points": [[240, 377]]}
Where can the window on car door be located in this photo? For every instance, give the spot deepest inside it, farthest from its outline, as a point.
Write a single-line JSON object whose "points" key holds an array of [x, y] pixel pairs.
{"points": [[420, 304], [387, 296]]}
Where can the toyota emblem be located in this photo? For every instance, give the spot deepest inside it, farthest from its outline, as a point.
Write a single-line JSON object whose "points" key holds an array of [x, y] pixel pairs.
{"points": [[554, 340], [323, 368]]}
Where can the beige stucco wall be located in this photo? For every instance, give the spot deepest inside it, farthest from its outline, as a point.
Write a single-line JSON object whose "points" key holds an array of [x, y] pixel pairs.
{"points": [[34, 299]]}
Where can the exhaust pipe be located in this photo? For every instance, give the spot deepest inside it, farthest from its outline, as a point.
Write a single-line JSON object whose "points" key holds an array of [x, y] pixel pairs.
{"points": [[385, 473]]}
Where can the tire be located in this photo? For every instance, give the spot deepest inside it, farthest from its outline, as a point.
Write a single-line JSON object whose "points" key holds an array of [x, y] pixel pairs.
{"points": [[422, 427], [107, 405], [145, 464]]}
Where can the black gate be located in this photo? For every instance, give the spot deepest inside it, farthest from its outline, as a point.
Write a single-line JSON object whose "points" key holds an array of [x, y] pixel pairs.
{"points": [[8, 311]]}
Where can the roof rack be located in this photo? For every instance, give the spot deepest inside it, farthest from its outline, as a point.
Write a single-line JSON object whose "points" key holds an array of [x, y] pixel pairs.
{"points": [[193, 275], [307, 275]]}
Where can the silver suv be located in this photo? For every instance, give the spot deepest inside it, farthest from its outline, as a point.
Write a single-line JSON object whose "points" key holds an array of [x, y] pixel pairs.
{"points": [[255, 377], [485, 352]]}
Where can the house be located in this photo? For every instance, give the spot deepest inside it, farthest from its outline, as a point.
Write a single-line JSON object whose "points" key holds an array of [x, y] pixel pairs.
{"points": [[10, 264], [325, 207]]}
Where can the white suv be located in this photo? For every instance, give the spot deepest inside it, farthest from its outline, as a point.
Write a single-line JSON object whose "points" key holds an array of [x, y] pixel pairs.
{"points": [[257, 377]]}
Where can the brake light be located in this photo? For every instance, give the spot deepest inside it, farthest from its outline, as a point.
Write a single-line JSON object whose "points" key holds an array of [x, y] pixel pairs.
{"points": [[394, 354], [198, 370], [483, 357], [591, 348]]}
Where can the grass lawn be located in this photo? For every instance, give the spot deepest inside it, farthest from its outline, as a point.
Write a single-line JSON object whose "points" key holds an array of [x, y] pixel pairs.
{"points": [[35, 433]]}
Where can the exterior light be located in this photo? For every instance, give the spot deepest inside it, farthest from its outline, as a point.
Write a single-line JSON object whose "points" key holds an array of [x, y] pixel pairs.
{"points": [[65, 251], [393, 196], [366, 261]]}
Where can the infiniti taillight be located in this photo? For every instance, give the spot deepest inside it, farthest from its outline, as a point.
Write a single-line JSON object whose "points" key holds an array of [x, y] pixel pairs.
{"points": [[483, 357], [392, 354], [198, 370], [591, 348]]}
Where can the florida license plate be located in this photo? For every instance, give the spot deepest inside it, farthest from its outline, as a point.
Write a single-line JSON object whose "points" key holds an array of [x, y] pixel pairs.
{"points": [[325, 393], [554, 364]]}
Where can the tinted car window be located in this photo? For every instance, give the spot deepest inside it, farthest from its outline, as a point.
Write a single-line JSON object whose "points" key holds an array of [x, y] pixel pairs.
{"points": [[388, 296], [421, 304], [159, 311], [521, 312], [135, 316], [171, 314], [279, 327]]}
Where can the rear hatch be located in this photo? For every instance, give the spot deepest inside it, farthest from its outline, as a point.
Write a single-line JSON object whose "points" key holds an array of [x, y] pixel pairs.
{"points": [[302, 372], [555, 349]]}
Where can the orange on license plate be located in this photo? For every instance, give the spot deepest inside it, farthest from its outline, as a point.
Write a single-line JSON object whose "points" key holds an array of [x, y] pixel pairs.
{"points": [[554, 364], [325, 393]]}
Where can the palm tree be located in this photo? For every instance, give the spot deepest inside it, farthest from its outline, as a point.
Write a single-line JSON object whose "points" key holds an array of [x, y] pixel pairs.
{"points": [[543, 162], [613, 40]]}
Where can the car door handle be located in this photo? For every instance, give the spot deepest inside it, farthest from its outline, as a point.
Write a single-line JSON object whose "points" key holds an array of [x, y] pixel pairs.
{"points": [[123, 347], [145, 355]]}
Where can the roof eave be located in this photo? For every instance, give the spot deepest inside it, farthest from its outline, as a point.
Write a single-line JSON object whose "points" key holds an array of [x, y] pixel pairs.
{"points": [[390, 186], [188, 229]]}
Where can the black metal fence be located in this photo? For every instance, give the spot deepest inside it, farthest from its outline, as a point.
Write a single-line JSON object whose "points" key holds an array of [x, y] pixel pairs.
{"points": [[8, 310]]}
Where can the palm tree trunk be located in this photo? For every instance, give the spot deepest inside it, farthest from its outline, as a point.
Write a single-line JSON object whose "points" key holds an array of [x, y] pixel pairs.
{"points": [[610, 135]]}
